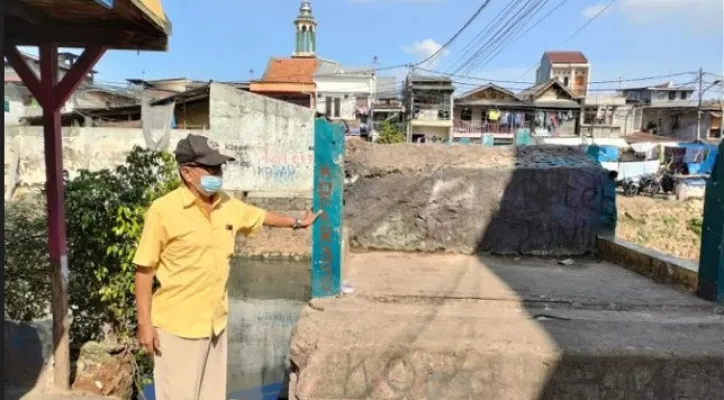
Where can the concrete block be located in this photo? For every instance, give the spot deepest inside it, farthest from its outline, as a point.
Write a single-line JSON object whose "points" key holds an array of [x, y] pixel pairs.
{"points": [[460, 327], [650, 263]]}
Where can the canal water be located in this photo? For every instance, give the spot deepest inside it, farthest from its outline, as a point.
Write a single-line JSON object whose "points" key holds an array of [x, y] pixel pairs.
{"points": [[265, 300]]}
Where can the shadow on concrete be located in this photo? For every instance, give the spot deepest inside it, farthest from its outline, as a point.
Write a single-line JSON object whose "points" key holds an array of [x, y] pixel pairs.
{"points": [[265, 300], [26, 347], [618, 335]]}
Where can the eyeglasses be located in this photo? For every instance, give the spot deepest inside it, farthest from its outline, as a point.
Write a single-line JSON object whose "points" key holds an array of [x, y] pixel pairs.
{"points": [[212, 170]]}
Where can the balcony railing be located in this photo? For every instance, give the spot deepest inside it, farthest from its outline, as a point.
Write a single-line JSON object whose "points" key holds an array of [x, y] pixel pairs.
{"points": [[466, 128]]}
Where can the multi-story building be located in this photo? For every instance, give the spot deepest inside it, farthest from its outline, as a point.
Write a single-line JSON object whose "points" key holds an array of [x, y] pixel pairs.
{"points": [[569, 67], [343, 93], [429, 107], [663, 94]]}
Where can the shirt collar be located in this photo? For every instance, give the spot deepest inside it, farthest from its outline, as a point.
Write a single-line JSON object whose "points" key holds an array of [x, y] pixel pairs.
{"points": [[189, 199]]}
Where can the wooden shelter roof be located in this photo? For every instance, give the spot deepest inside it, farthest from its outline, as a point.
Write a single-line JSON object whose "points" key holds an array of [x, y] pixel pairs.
{"points": [[126, 24]]}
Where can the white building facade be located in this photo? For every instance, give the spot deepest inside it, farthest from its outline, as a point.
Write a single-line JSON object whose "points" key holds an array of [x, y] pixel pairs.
{"points": [[343, 94]]}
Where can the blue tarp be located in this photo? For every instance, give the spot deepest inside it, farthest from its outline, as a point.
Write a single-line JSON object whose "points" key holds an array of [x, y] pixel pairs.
{"points": [[603, 153], [705, 167]]}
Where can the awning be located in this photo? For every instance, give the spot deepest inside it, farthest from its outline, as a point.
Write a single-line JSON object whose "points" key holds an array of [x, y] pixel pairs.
{"points": [[113, 24]]}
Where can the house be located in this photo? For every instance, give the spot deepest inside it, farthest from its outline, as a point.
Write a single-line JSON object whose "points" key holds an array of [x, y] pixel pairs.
{"points": [[343, 93], [570, 67], [19, 103], [609, 116], [547, 109], [292, 79], [679, 121], [65, 61], [662, 94], [159, 88], [386, 105], [429, 107], [88, 95], [557, 109], [490, 110]]}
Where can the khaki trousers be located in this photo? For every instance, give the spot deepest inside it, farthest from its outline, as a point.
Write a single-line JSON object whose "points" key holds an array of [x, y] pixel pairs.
{"points": [[190, 369]]}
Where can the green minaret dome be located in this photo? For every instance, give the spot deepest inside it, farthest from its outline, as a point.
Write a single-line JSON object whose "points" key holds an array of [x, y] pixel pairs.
{"points": [[306, 31]]}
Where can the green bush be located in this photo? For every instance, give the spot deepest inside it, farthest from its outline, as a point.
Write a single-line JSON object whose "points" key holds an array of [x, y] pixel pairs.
{"points": [[105, 211], [27, 275], [104, 218], [390, 134]]}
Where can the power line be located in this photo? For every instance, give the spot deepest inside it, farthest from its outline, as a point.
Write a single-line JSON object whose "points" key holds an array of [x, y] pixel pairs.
{"points": [[458, 33], [519, 36], [468, 48], [572, 35], [497, 43], [500, 33], [477, 78]]}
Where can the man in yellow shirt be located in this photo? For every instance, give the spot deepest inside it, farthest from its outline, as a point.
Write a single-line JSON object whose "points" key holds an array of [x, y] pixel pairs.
{"points": [[187, 242]]}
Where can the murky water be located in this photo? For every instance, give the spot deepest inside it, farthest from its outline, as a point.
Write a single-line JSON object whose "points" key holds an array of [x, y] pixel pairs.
{"points": [[265, 299]]}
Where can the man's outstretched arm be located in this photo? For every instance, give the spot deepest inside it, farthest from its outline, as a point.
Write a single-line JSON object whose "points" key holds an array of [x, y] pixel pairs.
{"points": [[276, 220]]}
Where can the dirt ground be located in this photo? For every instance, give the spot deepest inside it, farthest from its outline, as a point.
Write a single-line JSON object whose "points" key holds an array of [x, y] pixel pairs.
{"points": [[669, 226]]}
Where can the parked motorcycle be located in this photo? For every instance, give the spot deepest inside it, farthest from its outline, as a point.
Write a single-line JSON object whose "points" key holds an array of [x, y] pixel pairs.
{"points": [[630, 187], [650, 185]]}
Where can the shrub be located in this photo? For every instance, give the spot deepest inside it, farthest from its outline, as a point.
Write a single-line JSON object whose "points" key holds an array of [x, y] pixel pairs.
{"points": [[27, 275], [390, 134], [104, 218]]}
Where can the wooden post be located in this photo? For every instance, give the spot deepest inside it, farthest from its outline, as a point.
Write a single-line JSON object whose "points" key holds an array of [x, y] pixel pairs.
{"points": [[56, 214], [328, 187], [52, 95]]}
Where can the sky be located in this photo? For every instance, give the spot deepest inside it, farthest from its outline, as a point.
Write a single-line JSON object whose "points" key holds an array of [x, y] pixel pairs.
{"points": [[226, 40]]}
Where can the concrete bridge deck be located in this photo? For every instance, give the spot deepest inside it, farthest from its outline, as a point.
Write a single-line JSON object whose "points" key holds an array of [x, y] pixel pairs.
{"points": [[462, 327]]}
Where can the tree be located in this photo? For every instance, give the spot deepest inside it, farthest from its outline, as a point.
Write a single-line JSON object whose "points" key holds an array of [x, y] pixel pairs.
{"points": [[390, 134]]}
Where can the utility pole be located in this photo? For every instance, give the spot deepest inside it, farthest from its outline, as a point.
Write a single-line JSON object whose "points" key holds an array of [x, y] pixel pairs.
{"points": [[411, 112], [700, 78]]}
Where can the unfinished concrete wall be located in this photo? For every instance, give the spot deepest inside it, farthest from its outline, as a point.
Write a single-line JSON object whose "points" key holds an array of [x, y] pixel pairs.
{"points": [[83, 148], [271, 139], [531, 200]]}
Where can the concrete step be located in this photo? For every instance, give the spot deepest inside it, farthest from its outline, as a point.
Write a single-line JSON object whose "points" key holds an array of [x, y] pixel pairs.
{"points": [[457, 327]]}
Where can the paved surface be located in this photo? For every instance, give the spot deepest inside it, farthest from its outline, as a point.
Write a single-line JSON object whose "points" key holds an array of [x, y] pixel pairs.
{"points": [[11, 393], [458, 327]]}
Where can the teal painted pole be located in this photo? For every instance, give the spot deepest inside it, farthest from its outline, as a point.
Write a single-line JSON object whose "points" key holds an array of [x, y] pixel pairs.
{"points": [[328, 191], [711, 258]]}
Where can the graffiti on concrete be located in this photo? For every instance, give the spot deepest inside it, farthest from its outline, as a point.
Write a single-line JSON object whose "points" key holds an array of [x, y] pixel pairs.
{"points": [[240, 154], [545, 210], [277, 172], [472, 375]]}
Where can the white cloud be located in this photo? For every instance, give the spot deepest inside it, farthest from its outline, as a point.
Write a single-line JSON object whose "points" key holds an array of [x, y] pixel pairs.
{"points": [[423, 49], [652, 10], [592, 11]]}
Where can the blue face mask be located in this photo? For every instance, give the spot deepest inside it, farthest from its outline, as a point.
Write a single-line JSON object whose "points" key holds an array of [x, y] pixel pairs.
{"points": [[211, 184]]}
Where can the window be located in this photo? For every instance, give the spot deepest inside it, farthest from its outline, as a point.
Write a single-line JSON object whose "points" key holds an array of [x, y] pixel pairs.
{"points": [[683, 95], [328, 106], [672, 95], [565, 81], [466, 114], [337, 106]]}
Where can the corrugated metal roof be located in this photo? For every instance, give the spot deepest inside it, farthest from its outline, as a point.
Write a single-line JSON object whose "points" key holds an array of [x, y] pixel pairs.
{"points": [[566, 57]]}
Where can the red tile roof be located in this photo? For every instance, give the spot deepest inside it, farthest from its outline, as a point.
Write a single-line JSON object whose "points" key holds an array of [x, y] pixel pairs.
{"points": [[566, 57], [290, 70]]}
